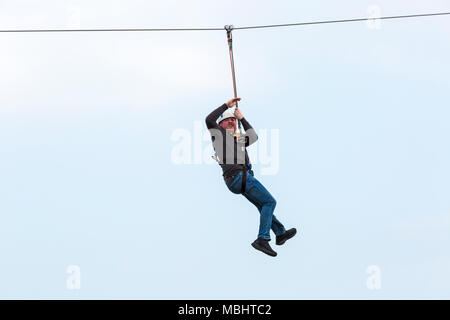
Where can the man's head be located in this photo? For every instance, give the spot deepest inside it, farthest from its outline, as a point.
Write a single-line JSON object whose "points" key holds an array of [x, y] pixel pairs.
{"points": [[228, 124], [228, 121]]}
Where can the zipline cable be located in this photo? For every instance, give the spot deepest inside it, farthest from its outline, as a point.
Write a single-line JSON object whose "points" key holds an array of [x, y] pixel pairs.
{"points": [[221, 29], [114, 30], [345, 20]]}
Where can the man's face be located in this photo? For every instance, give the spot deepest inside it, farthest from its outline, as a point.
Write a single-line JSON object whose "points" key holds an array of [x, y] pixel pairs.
{"points": [[228, 124]]}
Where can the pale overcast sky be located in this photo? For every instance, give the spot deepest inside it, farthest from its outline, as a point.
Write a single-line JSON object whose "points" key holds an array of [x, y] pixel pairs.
{"points": [[353, 143]]}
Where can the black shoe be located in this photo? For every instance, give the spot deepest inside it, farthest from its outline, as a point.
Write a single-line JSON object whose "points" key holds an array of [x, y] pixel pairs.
{"points": [[281, 239], [263, 245]]}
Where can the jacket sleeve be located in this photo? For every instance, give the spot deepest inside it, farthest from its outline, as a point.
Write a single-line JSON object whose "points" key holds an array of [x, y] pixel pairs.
{"points": [[250, 133], [214, 115]]}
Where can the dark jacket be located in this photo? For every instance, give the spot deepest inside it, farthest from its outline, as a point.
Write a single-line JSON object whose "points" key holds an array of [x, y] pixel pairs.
{"points": [[230, 151]]}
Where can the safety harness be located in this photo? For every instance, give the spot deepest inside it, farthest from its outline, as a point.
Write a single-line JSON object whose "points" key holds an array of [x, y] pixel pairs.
{"points": [[244, 178]]}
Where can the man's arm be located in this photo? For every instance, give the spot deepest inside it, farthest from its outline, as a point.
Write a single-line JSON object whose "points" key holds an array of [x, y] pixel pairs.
{"points": [[250, 133], [213, 116]]}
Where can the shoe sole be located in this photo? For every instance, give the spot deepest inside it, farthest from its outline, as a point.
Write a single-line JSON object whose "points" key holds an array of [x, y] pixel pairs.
{"points": [[266, 252], [281, 243]]}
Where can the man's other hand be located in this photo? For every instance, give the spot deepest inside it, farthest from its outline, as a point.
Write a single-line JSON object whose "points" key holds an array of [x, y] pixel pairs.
{"points": [[238, 113], [232, 102]]}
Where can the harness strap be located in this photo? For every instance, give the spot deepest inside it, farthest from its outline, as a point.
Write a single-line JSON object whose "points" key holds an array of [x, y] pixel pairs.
{"points": [[244, 178]]}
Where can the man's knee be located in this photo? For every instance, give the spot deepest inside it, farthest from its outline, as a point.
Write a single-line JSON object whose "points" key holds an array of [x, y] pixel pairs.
{"points": [[271, 202]]}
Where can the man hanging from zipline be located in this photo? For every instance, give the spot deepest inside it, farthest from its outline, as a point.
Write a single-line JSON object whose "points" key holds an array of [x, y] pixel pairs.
{"points": [[231, 154]]}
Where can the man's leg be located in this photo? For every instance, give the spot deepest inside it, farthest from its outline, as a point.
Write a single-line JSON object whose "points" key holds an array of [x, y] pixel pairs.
{"points": [[257, 194], [277, 227]]}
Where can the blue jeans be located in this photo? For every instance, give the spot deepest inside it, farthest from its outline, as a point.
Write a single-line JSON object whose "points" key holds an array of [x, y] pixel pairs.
{"points": [[257, 194]]}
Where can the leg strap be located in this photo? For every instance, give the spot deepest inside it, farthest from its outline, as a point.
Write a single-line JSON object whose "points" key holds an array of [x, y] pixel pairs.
{"points": [[244, 179]]}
